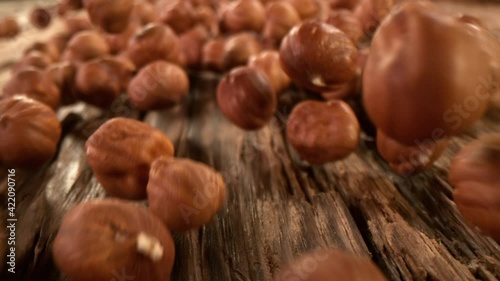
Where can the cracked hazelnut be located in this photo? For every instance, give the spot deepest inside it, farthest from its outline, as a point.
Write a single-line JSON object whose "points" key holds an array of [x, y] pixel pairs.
{"points": [[34, 84], [212, 54], [243, 15], [64, 77], [246, 98], [40, 18], [346, 21], [120, 153], [185, 194], [154, 42], [178, 14], [158, 85], [239, 48], [475, 174], [9, 27], [281, 17], [318, 56], [406, 93], [30, 132], [85, 46], [410, 159], [102, 239], [101, 81], [323, 132], [110, 16], [331, 264], [269, 63]]}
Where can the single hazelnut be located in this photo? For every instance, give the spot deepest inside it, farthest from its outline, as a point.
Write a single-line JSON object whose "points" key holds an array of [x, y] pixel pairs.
{"points": [[178, 14], [318, 56], [9, 27], [281, 17], [102, 239], [343, 4], [49, 48], [331, 264], [410, 159], [120, 153], [183, 193], [246, 98], [269, 63], [323, 132], [101, 81], [307, 9], [192, 43], [243, 15], [158, 85], [33, 83], [77, 23], [370, 13], [239, 48], [40, 17], [110, 16], [154, 42], [63, 75], [30, 132], [475, 174], [85, 46], [212, 54], [346, 21], [33, 59], [423, 89], [144, 13]]}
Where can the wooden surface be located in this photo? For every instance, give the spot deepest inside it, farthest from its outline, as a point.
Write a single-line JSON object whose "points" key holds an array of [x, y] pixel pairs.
{"points": [[277, 206]]}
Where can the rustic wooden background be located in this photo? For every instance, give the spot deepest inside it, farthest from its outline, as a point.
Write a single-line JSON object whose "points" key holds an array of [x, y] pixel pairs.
{"points": [[277, 206]]}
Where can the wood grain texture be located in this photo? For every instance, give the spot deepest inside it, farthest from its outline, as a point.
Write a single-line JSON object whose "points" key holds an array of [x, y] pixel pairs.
{"points": [[277, 206]]}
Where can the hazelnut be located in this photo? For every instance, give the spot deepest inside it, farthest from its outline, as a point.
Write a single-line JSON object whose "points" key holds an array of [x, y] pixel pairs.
{"points": [[30, 132], [206, 16], [118, 43], [243, 15], [212, 54], [192, 43], [331, 264], [33, 83], [323, 132], [408, 96], [281, 17], [409, 159], [185, 194], [60, 41], [78, 23], [178, 14], [101, 81], [9, 27], [306, 8], [246, 98], [33, 59], [475, 175], [63, 75], [158, 85], [101, 239], [110, 16], [154, 42], [144, 13], [120, 153], [239, 48], [40, 17], [85, 46], [318, 56], [346, 21], [49, 48], [269, 63], [370, 13]]}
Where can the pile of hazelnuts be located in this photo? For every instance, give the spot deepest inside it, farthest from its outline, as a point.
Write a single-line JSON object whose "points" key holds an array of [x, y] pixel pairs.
{"points": [[411, 64]]}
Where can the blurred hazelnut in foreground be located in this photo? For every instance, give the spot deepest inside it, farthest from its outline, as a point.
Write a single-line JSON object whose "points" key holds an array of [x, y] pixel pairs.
{"points": [[331, 265], [120, 153], [9, 27], [30, 132], [318, 56], [99, 239], [185, 194], [415, 85], [269, 63], [158, 85], [110, 16], [475, 173], [246, 98], [323, 132]]}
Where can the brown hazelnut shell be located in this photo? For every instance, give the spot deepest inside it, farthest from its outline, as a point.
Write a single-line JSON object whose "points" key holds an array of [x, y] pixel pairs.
{"points": [[307, 9], [323, 132], [178, 14], [239, 48], [281, 17], [144, 13], [243, 15], [102, 239], [9, 27], [345, 20], [120, 153], [40, 17], [85, 46], [185, 194], [64, 76], [192, 43], [30, 132], [370, 13], [212, 54], [110, 16], [269, 63]]}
